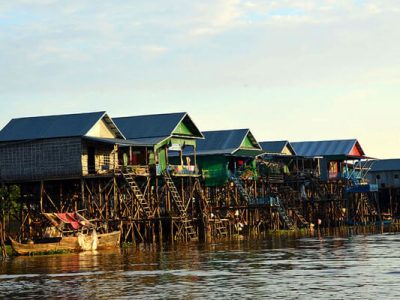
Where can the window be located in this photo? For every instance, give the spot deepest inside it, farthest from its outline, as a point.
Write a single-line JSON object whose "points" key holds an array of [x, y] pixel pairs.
{"points": [[378, 177], [396, 176]]}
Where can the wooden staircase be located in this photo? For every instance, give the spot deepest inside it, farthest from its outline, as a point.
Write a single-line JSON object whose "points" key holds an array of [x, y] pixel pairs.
{"points": [[369, 206], [175, 194], [284, 216], [220, 227], [242, 191], [189, 229], [191, 233], [301, 218], [129, 178]]}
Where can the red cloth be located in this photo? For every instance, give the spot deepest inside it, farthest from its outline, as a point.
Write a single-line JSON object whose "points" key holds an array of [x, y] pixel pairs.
{"points": [[69, 218]]}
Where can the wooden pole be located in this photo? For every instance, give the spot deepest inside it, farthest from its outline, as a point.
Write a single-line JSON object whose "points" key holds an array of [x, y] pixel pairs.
{"points": [[41, 195], [2, 241]]}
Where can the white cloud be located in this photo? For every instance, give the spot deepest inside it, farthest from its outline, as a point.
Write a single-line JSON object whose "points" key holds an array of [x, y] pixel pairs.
{"points": [[209, 52]]}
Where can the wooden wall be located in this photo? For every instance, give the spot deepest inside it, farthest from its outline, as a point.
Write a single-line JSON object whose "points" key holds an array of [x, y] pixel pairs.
{"points": [[105, 158], [40, 159]]}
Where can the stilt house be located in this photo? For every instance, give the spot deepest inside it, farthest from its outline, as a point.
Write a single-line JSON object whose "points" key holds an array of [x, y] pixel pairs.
{"points": [[336, 158], [225, 153], [277, 148], [279, 158], [385, 174], [157, 141], [59, 146]]}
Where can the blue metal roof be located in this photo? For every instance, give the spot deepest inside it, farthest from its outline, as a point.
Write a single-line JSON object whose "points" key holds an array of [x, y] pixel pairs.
{"points": [[110, 141], [56, 126], [149, 126], [148, 141], [386, 165], [326, 148], [276, 147], [223, 141]]}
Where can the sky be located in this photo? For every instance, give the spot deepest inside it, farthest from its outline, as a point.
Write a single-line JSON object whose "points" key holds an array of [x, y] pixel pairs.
{"points": [[288, 70]]}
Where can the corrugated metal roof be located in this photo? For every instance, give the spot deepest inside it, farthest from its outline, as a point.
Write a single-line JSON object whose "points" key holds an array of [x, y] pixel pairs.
{"points": [[385, 165], [148, 126], [148, 141], [111, 141], [276, 147], [326, 148], [223, 141], [55, 126]]}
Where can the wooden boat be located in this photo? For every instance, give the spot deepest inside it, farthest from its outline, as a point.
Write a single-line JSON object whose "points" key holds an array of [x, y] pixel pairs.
{"points": [[108, 240], [68, 243]]}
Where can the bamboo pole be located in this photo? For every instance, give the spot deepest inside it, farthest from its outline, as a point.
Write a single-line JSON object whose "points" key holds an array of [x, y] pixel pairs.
{"points": [[2, 241]]}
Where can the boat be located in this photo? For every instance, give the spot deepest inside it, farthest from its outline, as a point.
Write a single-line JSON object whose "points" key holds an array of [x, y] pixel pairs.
{"points": [[69, 244], [69, 232]]}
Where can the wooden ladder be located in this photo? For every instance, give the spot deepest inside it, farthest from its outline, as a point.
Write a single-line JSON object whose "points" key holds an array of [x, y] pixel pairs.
{"points": [[138, 193], [220, 227], [369, 206], [189, 229], [284, 216], [175, 194], [301, 218]]}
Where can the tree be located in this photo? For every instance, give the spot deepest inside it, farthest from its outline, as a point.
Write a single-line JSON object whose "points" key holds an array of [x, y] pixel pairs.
{"points": [[9, 206]]}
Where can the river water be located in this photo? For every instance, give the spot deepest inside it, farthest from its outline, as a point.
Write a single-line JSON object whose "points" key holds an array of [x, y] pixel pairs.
{"points": [[345, 264]]}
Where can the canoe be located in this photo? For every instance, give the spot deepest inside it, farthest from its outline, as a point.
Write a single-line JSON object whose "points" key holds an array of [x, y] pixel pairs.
{"points": [[68, 243], [108, 240]]}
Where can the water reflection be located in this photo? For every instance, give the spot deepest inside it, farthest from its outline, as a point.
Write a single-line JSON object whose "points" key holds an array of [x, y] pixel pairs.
{"points": [[344, 263]]}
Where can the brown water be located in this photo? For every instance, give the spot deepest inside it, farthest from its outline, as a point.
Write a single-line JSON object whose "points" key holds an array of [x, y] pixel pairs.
{"points": [[341, 265]]}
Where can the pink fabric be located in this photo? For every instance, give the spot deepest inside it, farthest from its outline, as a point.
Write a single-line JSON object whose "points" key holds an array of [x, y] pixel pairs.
{"points": [[69, 218]]}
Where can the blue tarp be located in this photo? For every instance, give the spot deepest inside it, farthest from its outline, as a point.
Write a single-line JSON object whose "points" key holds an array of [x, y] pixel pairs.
{"points": [[362, 188]]}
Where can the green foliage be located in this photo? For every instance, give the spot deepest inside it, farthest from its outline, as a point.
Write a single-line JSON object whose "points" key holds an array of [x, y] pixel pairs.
{"points": [[50, 252], [126, 245], [9, 199], [9, 250]]}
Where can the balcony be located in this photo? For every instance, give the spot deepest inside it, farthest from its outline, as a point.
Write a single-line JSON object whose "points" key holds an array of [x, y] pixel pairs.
{"points": [[139, 170], [183, 170]]}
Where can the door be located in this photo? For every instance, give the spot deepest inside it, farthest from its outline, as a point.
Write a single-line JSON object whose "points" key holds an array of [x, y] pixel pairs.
{"points": [[91, 160]]}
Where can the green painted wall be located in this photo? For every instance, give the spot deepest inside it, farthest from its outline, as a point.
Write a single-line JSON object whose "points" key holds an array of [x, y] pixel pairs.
{"points": [[162, 153], [214, 170], [188, 142], [247, 143], [182, 129], [162, 159]]}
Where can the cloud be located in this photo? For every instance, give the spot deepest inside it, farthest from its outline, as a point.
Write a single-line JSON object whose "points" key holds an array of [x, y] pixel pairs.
{"points": [[227, 42]]}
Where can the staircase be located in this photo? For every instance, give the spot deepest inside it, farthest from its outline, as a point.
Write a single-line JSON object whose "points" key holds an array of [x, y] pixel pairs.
{"points": [[175, 195], [138, 193], [368, 204], [189, 229], [204, 201], [301, 218], [245, 195], [284, 216], [220, 227]]}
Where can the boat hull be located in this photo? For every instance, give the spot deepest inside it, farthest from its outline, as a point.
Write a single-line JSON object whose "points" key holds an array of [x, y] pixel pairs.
{"points": [[108, 240], [70, 244]]}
